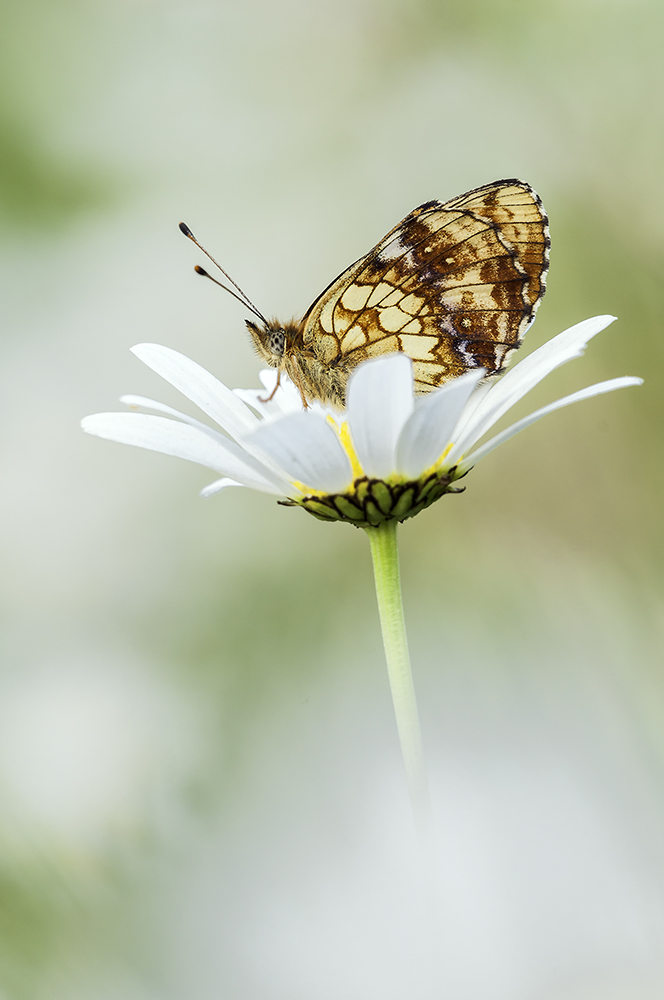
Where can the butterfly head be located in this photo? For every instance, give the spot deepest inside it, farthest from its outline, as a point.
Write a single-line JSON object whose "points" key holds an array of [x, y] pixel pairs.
{"points": [[271, 340]]}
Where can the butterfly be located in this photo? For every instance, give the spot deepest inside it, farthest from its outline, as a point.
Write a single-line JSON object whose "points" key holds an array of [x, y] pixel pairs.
{"points": [[455, 286]]}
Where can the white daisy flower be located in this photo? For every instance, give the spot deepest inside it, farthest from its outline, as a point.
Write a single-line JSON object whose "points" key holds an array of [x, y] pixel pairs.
{"points": [[389, 455]]}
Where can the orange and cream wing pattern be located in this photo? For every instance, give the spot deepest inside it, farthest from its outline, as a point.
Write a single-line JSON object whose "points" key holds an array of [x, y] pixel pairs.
{"points": [[455, 286]]}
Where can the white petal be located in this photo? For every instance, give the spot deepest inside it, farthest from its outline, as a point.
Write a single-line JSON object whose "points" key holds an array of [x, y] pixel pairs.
{"points": [[380, 401], [257, 400], [307, 449], [198, 385], [213, 397], [217, 486], [504, 393], [170, 437], [428, 429], [470, 408], [285, 400], [152, 404], [591, 390]]}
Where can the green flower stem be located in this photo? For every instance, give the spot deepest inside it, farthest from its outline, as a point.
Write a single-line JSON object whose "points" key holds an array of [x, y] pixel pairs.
{"points": [[385, 555]]}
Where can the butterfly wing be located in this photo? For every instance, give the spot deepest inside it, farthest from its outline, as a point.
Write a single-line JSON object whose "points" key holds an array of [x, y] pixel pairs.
{"points": [[455, 286]]}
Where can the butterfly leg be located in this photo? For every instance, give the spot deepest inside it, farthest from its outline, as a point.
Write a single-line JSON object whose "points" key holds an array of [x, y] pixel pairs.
{"points": [[294, 373], [267, 399], [305, 405]]}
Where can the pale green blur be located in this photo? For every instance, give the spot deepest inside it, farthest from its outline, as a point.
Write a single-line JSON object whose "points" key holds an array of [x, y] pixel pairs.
{"points": [[202, 795]]}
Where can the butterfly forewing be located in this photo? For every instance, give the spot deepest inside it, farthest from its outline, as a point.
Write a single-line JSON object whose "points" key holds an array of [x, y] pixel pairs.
{"points": [[455, 286]]}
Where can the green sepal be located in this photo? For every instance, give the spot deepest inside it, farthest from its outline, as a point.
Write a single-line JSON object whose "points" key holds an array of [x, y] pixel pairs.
{"points": [[371, 502]]}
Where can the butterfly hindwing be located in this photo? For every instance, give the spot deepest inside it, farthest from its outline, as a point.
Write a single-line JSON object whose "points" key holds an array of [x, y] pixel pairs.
{"points": [[455, 285]]}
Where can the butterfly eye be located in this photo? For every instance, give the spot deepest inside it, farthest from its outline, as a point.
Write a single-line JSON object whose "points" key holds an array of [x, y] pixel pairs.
{"points": [[276, 342]]}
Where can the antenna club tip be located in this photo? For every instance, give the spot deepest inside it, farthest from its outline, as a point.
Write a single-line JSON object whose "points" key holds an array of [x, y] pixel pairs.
{"points": [[200, 270], [184, 228]]}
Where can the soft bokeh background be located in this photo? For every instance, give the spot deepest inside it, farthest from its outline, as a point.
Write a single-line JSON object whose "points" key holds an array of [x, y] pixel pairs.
{"points": [[200, 783]]}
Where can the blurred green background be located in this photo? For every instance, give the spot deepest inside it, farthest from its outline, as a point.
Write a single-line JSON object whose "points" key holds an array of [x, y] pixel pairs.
{"points": [[202, 794]]}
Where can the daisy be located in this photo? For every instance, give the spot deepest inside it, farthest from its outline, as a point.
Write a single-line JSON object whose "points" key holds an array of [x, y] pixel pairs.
{"points": [[388, 456]]}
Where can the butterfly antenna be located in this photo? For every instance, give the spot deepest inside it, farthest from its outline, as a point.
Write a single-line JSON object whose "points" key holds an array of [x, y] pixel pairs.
{"points": [[245, 300], [199, 270]]}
